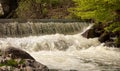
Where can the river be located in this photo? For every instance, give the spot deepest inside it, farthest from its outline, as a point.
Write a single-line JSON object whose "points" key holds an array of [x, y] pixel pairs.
{"points": [[65, 52]]}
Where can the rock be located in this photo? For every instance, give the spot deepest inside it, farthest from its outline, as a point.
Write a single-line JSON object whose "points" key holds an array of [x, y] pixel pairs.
{"points": [[5, 6], [14, 59], [94, 31], [28, 68], [89, 33], [104, 37], [35, 64], [109, 44], [31, 65], [9, 7], [110, 39], [17, 53]]}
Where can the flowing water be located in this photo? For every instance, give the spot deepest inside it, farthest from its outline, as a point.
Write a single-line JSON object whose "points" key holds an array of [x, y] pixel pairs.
{"points": [[16, 29], [67, 52]]}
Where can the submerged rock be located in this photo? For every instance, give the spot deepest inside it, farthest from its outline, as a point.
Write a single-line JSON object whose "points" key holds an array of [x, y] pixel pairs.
{"points": [[14, 59]]}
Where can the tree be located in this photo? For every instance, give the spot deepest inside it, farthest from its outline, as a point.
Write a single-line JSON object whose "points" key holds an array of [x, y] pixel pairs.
{"points": [[37, 8], [98, 10]]}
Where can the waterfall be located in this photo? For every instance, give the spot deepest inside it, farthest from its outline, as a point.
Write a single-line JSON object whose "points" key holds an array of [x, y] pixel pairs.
{"points": [[15, 29], [65, 52]]}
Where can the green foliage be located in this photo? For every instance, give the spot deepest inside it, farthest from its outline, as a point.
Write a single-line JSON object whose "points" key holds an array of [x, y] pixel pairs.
{"points": [[11, 62], [36, 8], [52, 3], [45, 11], [56, 3], [38, 1], [24, 8], [21, 61], [99, 10], [55, 17], [115, 27], [117, 41]]}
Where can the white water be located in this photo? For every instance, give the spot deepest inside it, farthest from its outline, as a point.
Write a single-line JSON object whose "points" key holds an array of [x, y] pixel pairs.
{"points": [[68, 52]]}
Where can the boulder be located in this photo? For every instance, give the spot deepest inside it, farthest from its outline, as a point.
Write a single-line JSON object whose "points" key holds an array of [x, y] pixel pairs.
{"points": [[32, 65], [95, 31], [17, 53], [104, 37], [14, 59], [8, 7], [5, 6], [89, 33]]}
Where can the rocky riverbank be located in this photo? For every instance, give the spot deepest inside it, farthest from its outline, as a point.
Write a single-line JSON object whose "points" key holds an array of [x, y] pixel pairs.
{"points": [[14, 59], [110, 38]]}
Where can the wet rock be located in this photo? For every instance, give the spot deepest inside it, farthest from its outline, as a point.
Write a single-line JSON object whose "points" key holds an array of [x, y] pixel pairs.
{"points": [[104, 37], [17, 53], [109, 44], [8, 7], [94, 31], [34, 64], [14, 59], [108, 38], [5, 6], [89, 34]]}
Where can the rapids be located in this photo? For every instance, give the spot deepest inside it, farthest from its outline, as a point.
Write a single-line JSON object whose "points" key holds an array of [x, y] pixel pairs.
{"points": [[67, 52]]}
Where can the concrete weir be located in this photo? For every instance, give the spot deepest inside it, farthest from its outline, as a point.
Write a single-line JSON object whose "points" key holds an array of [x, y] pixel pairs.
{"points": [[20, 28]]}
